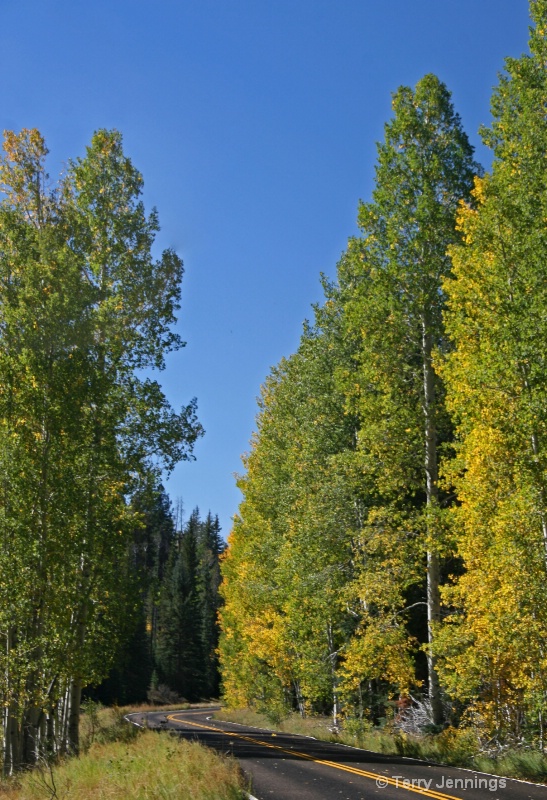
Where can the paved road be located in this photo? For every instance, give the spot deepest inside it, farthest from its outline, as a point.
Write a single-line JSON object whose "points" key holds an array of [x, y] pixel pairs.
{"points": [[283, 766]]}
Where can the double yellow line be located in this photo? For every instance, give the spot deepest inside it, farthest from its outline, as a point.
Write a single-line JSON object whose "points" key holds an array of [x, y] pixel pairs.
{"points": [[381, 780]]}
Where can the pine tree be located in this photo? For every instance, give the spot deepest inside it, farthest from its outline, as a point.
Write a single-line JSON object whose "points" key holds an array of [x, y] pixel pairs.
{"points": [[152, 538], [178, 649], [210, 546]]}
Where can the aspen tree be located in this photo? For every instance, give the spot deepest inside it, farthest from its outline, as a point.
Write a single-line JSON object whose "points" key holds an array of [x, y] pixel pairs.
{"points": [[494, 654], [425, 167], [83, 305]]}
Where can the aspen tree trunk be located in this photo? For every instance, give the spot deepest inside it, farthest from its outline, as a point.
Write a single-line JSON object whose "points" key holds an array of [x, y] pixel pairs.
{"points": [[11, 730], [32, 718], [51, 733], [75, 688], [6, 742], [3, 740], [5, 714], [299, 698], [334, 678], [432, 494], [62, 722], [74, 716], [542, 494], [31, 736], [13, 742]]}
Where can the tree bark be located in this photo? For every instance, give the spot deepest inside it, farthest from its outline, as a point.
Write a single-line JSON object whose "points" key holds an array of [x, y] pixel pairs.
{"points": [[333, 657], [73, 743], [432, 495]]}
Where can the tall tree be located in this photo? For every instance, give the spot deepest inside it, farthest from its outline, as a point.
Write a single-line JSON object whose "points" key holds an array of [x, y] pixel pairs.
{"points": [[393, 285], [178, 646], [83, 306], [210, 547], [153, 535], [494, 649]]}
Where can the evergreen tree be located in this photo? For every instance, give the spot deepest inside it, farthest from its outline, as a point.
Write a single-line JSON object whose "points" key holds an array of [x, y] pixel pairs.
{"points": [[178, 649], [172, 633], [153, 539], [153, 536], [210, 546]]}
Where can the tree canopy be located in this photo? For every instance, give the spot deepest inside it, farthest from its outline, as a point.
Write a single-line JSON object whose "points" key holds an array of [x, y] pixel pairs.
{"points": [[84, 309]]}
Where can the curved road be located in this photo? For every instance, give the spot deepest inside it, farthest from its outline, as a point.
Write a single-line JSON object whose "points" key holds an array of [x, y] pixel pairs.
{"points": [[283, 766]]}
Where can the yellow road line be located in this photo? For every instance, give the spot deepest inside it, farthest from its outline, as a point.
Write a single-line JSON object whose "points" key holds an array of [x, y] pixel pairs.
{"points": [[376, 776]]}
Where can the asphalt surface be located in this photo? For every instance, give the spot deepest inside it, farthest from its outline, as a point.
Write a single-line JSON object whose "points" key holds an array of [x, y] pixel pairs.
{"points": [[283, 766]]}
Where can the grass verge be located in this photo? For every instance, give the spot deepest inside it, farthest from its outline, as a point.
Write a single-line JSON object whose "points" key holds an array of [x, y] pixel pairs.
{"points": [[320, 727], [123, 762], [456, 748]]}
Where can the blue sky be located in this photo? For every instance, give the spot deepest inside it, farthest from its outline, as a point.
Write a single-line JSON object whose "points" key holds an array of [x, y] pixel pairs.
{"points": [[254, 123]]}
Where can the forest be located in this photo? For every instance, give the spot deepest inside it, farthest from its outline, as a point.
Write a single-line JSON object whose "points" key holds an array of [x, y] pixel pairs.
{"points": [[389, 556]]}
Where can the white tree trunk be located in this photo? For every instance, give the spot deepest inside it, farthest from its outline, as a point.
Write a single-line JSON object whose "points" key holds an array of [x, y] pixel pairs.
{"points": [[432, 495]]}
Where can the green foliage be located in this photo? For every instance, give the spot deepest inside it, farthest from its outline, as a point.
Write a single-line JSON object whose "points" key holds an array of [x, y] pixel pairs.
{"points": [[390, 291], [83, 305], [178, 649], [185, 632], [102, 725], [210, 547], [290, 549], [169, 651]]}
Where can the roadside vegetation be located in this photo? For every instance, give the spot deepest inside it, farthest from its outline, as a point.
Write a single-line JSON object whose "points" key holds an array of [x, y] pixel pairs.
{"points": [[123, 762], [454, 747]]}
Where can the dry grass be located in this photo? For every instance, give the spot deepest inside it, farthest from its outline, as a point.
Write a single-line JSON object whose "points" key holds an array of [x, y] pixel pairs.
{"points": [[293, 723], [8, 789], [317, 726], [123, 762], [152, 766]]}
